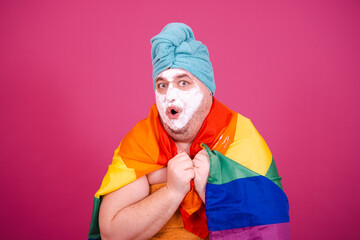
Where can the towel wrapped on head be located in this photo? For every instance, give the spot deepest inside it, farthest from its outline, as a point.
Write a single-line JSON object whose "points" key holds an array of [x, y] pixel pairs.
{"points": [[175, 47]]}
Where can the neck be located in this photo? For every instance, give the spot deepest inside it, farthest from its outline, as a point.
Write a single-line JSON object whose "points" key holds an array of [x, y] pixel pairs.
{"points": [[183, 147]]}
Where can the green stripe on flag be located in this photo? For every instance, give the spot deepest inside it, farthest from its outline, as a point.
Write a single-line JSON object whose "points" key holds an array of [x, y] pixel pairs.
{"points": [[94, 231], [273, 175], [224, 170]]}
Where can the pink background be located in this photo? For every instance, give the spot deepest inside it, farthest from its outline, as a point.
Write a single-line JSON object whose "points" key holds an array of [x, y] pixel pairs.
{"points": [[76, 76]]}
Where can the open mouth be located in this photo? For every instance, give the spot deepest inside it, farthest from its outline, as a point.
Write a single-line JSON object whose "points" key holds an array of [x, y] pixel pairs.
{"points": [[173, 112]]}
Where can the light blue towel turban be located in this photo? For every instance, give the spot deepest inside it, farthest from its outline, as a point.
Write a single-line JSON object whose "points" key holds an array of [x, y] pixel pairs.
{"points": [[175, 47]]}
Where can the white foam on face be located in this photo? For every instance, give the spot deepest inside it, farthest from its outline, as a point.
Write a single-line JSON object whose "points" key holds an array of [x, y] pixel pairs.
{"points": [[188, 101]]}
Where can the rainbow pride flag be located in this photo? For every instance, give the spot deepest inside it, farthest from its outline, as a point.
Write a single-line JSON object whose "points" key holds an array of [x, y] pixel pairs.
{"points": [[244, 196]]}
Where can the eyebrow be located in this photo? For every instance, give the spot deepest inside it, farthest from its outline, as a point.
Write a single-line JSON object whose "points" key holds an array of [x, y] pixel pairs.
{"points": [[176, 77], [160, 79], [182, 75]]}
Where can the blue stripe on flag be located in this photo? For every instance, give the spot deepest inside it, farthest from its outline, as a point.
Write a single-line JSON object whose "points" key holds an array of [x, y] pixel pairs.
{"points": [[245, 202]]}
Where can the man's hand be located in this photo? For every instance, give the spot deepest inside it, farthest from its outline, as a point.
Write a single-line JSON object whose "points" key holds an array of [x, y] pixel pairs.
{"points": [[180, 171], [201, 164]]}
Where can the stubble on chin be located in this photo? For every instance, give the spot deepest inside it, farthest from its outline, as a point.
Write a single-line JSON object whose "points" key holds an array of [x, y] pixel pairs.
{"points": [[177, 133]]}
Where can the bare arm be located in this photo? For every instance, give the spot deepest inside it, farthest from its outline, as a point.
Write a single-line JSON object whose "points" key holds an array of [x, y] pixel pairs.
{"points": [[131, 213]]}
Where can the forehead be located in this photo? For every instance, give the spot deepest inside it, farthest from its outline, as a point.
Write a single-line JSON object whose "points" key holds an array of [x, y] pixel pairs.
{"points": [[171, 73]]}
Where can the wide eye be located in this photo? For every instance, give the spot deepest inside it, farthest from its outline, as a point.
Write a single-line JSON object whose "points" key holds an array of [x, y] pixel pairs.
{"points": [[162, 85], [183, 83]]}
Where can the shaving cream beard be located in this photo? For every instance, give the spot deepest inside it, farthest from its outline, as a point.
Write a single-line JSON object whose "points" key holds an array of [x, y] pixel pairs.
{"points": [[186, 101]]}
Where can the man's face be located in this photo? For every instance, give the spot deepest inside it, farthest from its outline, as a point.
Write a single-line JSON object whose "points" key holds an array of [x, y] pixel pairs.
{"points": [[183, 103]]}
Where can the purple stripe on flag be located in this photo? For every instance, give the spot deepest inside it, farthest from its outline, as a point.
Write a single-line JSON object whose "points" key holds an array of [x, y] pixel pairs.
{"points": [[278, 231]]}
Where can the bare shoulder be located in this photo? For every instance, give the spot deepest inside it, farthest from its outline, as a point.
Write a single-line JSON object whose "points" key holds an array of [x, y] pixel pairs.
{"points": [[123, 197]]}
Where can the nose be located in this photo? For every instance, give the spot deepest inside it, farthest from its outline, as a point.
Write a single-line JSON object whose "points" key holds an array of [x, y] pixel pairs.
{"points": [[171, 94]]}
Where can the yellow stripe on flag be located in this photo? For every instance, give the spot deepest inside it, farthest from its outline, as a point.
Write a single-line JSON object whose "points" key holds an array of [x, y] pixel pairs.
{"points": [[249, 148], [117, 176]]}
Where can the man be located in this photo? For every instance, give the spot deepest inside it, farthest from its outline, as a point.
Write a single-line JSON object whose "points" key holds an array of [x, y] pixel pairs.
{"points": [[209, 163]]}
